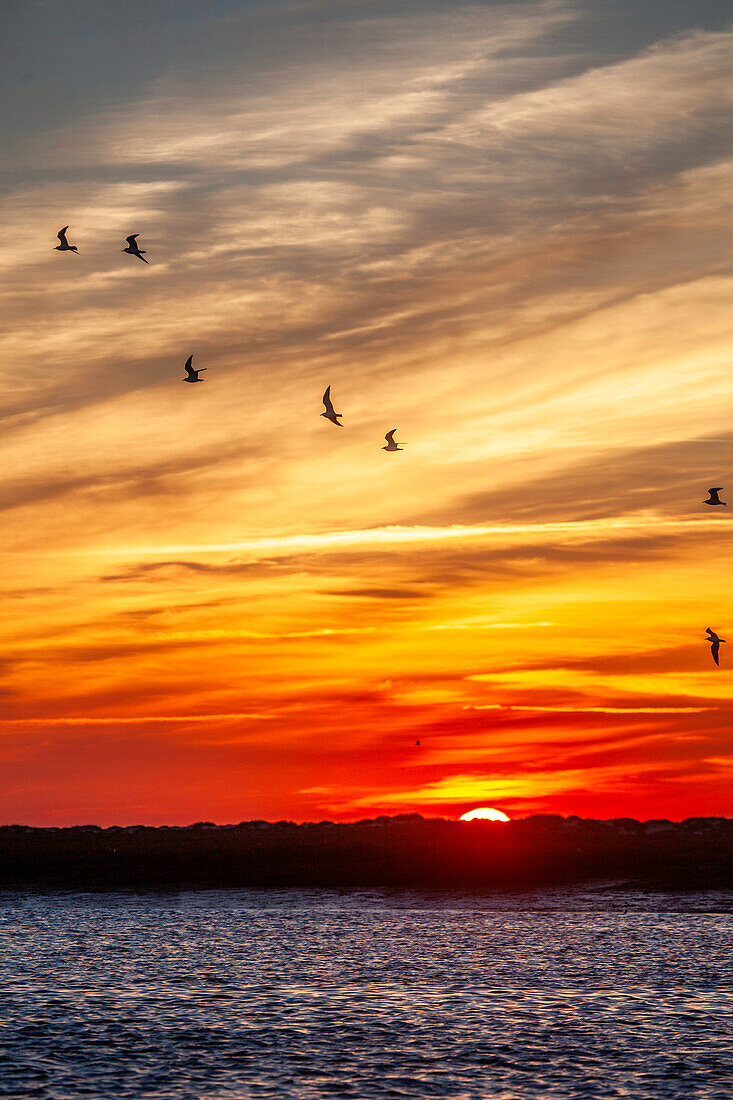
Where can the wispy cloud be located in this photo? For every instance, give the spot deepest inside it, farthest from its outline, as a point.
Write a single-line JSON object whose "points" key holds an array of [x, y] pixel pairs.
{"points": [[456, 789], [136, 720], [508, 533], [589, 710]]}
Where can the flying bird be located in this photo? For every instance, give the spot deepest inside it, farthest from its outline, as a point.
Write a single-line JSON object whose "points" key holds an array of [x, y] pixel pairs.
{"points": [[714, 499], [132, 247], [391, 445], [64, 246], [715, 643], [329, 414], [191, 374]]}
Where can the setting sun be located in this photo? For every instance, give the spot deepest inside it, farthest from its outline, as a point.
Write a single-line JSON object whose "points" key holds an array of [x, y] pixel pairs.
{"points": [[484, 813]]}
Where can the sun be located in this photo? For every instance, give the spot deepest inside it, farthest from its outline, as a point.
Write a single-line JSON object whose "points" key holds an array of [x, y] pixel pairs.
{"points": [[484, 813]]}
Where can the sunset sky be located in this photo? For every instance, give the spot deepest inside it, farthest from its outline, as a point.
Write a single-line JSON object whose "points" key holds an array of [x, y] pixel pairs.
{"points": [[504, 229]]}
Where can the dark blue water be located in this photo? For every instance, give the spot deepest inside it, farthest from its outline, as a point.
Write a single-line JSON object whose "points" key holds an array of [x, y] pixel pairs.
{"points": [[294, 993]]}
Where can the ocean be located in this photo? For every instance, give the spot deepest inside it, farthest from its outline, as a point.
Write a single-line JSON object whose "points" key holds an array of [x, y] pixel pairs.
{"points": [[592, 992]]}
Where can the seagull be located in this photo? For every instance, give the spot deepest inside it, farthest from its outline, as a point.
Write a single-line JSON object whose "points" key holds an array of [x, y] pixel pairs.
{"points": [[133, 249], [715, 643], [64, 246], [391, 445], [191, 374], [329, 414], [714, 499]]}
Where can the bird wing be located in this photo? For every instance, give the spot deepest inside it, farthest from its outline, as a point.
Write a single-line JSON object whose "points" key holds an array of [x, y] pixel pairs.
{"points": [[719, 489], [390, 435], [714, 649], [710, 632], [189, 369], [327, 400], [62, 235], [131, 239]]}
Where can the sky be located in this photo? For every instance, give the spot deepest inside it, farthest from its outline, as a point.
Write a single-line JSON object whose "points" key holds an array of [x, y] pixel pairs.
{"points": [[503, 229]]}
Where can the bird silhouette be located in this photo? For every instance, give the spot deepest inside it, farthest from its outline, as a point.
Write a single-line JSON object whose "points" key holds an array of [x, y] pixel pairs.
{"points": [[714, 499], [191, 374], [329, 414], [391, 445], [132, 248], [64, 246], [714, 643]]}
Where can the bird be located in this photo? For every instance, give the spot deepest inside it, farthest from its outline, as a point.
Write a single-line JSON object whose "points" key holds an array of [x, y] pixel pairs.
{"points": [[329, 414], [417, 742], [133, 249], [391, 445], [191, 374], [714, 499], [64, 246], [715, 643]]}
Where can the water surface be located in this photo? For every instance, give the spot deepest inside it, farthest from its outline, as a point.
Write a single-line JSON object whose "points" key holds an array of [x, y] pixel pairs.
{"points": [[312, 993]]}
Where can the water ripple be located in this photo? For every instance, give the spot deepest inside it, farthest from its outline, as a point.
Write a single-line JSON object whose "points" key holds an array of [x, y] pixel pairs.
{"points": [[308, 994]]}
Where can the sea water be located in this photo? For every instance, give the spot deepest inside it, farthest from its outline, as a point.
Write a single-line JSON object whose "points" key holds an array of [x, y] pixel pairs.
{"points": [[596, 992]]}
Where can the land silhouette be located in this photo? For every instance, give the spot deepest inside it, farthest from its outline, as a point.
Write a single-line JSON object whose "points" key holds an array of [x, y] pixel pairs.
{"points": [[406, 852]]}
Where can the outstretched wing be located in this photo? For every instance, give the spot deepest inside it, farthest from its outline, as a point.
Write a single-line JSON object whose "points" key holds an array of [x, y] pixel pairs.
{"points": [[710, 632], [390, 435], [327, 400], [189, 369], [131, 239], [714, 649], [62, 235]]}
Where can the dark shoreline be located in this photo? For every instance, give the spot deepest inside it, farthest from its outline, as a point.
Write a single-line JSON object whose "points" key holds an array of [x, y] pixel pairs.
{"points": [[399, 852]]}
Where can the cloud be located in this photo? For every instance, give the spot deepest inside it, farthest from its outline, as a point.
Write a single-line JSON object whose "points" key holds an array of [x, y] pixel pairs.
{"points": [[378, 593], [396, 534], [137, 720], [591, 710], [663, 477], [455, 789]]}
